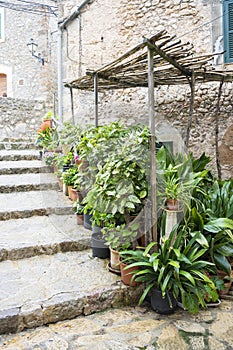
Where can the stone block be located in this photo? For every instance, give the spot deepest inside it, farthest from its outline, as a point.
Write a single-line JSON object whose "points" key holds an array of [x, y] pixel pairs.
{"points": [[61, 307], [30, 316], [9, 320]]}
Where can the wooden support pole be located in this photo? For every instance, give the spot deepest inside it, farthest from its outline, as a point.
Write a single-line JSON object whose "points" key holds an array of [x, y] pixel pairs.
{"points": [[151, 101], [217, 156], [96, 98], [191, 106], [72, 105]]}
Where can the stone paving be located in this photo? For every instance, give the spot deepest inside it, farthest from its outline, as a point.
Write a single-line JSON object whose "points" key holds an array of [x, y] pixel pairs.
{"points": [[132, 329]]}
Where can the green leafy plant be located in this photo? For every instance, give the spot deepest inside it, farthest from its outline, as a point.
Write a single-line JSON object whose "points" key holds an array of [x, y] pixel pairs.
{"points": [[44, 136], [68, 159], [121, 237], [213, 217], [69, 176], [180, 177], [177, 268], [121, 182], [69, 134], [48, 115], [77, 208]]}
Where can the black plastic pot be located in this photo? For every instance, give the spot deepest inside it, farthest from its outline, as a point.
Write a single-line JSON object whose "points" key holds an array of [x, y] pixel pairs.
{"points": [[99, 247], [163, 305], [66, 167], [87, 221]]}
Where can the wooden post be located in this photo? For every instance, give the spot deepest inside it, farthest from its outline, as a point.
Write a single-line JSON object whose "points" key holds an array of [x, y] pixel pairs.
{"points": [[96, 99], [72, 105], [191, 106], [151, 101], [217, 156]]}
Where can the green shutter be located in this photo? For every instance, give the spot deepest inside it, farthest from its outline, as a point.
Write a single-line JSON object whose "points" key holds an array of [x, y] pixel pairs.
{"points": [[228, 29]]}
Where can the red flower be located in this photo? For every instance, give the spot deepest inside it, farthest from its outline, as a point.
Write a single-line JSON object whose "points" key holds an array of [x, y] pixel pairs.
{"points": [[44, 126]]}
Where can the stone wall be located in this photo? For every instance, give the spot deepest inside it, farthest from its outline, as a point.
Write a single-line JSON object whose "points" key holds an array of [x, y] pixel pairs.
{"points": [[26, 77], [20, 118], [107, 29]]}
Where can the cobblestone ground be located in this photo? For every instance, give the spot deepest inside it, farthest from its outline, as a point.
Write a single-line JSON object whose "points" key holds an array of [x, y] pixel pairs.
{"points": [[132, 328]]}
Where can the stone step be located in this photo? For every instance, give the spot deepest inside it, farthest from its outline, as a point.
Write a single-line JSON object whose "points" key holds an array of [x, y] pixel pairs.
{"points": [[19, 205], [24, 238], [24, 167], [7, 145], [17, 155], [28, 182], [46, 289], [18, 139]]}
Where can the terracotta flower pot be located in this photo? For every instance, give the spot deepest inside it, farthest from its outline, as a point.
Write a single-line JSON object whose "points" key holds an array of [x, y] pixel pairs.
{"points": [[60, 183], [78, 162], [48, 122], [80, 219], [172, 204], [70, 192], [126, 275], [222, 275], [74, 194]]}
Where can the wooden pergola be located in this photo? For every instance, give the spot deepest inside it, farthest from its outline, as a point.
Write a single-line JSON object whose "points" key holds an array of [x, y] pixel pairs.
{"points": [[159, 60]]}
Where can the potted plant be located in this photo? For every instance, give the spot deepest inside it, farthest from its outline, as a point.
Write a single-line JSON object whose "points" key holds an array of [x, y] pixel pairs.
{"points": [[213, 217], [49, 158], [179, 179], [47, 119], [67, 161], [78, 209], [127, 273], [99, 246], [118, 239], [174, 271], [68, 178]]}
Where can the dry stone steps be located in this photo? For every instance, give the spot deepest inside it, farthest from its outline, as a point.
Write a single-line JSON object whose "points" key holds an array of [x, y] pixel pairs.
{"points": [[17, 205], [27, 154], [9, 145], [27, 182], [25, 238], [48, 289], [23, 167], [47, 272]]}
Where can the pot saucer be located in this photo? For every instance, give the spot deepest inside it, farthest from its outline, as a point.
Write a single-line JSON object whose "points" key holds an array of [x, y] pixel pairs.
{"points": [[111, 269]]}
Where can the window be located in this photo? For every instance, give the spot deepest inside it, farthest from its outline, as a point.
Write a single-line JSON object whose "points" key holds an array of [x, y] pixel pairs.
{"points": [[3, 84], [1, 24], [228, 30]]}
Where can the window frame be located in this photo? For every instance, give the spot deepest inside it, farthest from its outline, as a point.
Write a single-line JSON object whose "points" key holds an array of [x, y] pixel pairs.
{"points": [[227, 31], [2, 24]]}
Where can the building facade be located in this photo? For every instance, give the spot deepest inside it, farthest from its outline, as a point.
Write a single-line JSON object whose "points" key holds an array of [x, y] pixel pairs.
{"points": [[105, 29], [27, 83]]}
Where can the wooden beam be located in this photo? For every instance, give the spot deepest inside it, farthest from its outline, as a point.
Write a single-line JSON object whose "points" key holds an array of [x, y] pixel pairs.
{"points": [[167, 57], [151, 111]]}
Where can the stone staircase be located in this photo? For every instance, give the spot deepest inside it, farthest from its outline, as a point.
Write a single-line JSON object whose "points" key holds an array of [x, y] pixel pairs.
{"points": [[47, 272]]}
